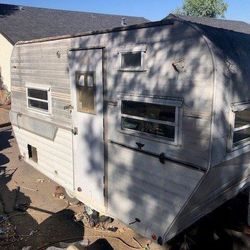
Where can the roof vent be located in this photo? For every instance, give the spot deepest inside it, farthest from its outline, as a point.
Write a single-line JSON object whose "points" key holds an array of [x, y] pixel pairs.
{"points": [[123, 22]]}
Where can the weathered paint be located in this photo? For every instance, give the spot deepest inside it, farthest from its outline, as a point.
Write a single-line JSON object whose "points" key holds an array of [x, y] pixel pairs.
{"points": [[54, 157], [165, 197]]}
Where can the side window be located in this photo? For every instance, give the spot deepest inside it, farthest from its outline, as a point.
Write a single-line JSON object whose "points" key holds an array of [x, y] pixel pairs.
{"points": [[85, 86], [151, 119], [241, 130], [39, 99]]}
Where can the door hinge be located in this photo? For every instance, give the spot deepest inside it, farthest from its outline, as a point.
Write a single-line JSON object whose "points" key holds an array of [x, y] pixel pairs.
{"points": [[74, 131]]}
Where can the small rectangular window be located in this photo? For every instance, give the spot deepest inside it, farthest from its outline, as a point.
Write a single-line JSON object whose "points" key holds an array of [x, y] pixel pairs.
{"points": [[85, 86], [38, 99], [241, 131], [131, 60], [150, 118]]}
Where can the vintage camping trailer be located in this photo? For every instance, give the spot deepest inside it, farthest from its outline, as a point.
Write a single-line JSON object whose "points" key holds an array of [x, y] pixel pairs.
{"points": [[148, 123]]}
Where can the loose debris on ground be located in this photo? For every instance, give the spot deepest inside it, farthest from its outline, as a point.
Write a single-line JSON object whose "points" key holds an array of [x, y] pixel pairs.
{"points": [[59, 193], [7, 231]]}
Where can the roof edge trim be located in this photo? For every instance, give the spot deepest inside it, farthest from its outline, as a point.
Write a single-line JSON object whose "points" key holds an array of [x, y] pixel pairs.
{"points": [[117, 29]]}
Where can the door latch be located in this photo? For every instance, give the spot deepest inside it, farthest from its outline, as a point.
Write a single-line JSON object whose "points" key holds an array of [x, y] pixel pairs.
{"points": [[74, 131], [68, 107]]}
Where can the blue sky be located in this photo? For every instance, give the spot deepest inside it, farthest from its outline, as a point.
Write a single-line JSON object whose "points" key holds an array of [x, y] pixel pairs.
{"points": [[151, 9]]}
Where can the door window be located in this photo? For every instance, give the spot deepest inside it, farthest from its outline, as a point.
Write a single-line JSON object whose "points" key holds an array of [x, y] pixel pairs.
{"points": [[85, 87]]}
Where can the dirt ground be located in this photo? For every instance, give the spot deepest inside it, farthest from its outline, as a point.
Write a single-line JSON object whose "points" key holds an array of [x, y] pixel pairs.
{"points": [[30, 214]]}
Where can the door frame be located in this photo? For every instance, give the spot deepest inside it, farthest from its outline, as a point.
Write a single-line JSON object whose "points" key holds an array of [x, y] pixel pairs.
{"points": [[105, 117]]}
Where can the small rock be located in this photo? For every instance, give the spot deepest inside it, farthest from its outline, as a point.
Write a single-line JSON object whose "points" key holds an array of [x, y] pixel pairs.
{"points": [[59, 192], [62, 196], [40, 180]]}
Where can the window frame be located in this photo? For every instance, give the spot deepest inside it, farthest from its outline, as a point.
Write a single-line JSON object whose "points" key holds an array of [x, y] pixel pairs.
{"points": [[42, 88], [177, 103], [142, 50], [245, 142]]}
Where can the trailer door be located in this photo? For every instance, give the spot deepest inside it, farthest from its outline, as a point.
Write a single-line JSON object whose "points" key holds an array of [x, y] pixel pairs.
{"points": [[87, 115]]}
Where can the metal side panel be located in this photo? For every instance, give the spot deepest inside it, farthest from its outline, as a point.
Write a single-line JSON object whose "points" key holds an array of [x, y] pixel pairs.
{"points": [[141, 187], [221, 183], [54, 156]]}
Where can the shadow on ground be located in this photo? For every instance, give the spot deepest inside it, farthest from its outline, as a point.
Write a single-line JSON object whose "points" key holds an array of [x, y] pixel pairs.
{"points": [[14, 204], [29, 217]]}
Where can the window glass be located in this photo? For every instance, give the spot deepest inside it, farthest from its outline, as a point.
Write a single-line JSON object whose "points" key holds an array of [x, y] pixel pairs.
{"points": [[131, 59], [242, 118], [149, 127], [85, 86], [150, 118], [81, 80], [149, 110], [38, 104], [37, 93], [241, 135], [241, 130]]}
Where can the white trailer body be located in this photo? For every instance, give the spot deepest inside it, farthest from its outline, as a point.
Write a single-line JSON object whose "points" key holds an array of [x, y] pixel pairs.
{"points": [[139, 122]]}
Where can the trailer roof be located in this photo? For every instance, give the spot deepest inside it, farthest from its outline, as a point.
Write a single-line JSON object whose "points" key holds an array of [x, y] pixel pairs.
{"points": [[206, 25], [230, 25], [27, 23]]}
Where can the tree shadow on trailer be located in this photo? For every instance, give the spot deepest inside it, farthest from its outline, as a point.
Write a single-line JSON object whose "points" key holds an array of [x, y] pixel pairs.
{"points": [[175, 49], [231, 50]]}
